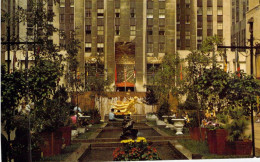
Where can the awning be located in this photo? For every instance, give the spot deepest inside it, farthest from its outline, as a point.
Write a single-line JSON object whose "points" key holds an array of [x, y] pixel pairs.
{"points": [[122, 84]]}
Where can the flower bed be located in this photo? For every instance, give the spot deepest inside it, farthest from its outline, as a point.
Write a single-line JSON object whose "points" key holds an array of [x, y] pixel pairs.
{"points": [[137, 149]]}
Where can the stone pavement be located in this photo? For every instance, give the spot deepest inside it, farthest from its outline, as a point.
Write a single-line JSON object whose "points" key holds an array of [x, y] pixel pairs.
{"points": [[257, 137]]}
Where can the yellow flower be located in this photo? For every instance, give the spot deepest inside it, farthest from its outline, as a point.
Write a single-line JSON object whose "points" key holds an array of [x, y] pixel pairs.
{"points": [[139, 139], [127, 141]]}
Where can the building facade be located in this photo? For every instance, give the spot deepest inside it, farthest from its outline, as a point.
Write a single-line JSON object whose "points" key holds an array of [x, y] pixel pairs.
{"points": [[129, 37]]}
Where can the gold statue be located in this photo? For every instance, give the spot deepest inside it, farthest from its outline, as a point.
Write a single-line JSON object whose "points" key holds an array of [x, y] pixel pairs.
{"points": [[127, 107]]}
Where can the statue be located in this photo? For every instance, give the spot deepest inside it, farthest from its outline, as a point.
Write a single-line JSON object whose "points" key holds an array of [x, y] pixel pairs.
{"points": [[127, 107], [128, 131]]}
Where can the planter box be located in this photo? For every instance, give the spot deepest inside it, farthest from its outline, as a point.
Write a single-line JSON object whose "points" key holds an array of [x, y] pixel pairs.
{"points": [[243, 147], [195, 133], [217, 141], [52, 143], [221, 138], [66, 135], [239, 148]]}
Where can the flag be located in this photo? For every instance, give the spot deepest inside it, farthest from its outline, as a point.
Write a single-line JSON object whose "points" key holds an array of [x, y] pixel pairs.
{"points": [[257, 103], [125, 74], [14, 60], [238, 67], [225, 62], [134, 72], [181, 77]]}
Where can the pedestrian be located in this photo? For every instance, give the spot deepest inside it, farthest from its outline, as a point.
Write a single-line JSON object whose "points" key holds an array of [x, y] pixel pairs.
{"points": [[112, 115]]}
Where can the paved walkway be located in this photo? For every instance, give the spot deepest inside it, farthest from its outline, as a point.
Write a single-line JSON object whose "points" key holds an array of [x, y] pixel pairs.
{"points": [[257, 137]]}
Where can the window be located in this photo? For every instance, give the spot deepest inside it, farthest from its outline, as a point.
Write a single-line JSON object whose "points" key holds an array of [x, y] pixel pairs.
{"points": [[199, 10], [161, 32], [210, 25], [117, 30], [161, 13], [132, 4], [62, 3], [187, 19], [220, 26], [149, 4], [88, 4], [88, 47], [100, 13], [100, 30], [62, 34], [117, 3], [209, 11], [71, 34], [132, 13], [71, 18], [100, 4], [88, 13], [162, 5], [209, 3], [100, 48], [62, 18], [88, 29], [132, 30], [187, 35], [149, 32], [220, 10], [117, 13], [149, 13], [162, 47], [150, 48], [71, 3], [150, 22]]}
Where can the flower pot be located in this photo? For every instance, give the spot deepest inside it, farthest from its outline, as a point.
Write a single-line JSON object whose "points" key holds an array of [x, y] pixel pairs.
{"points": [[211, 134], [195, 133], [66, 135], [243, 147], [221, 135], [217, 141], [230, 148], [52, 143]]}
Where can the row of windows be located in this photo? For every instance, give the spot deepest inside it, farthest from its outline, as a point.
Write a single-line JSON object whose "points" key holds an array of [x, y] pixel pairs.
{"points": [[62, 3], [150, 47], [100, 47]]}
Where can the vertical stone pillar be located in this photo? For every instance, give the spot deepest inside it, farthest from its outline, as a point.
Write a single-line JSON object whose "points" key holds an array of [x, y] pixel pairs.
{"points": [[140, 53], [79, 24], [110, 63], [170, 24]]}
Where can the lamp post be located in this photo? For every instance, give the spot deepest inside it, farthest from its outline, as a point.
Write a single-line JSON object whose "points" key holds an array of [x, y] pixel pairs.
{"points": [[251, 22]]}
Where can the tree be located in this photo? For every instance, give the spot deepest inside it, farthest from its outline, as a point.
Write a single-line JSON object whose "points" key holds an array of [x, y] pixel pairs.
{"points": [[12, 91], [166, 79]]}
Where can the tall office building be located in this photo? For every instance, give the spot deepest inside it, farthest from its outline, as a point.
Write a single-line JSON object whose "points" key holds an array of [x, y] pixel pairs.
{"points": [[126, 35], [130, 36], [238, 33]]}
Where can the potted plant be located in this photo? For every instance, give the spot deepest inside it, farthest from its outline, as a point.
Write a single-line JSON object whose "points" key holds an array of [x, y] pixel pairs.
{"points": [[236, 134], [135, 150], [164, 109]]}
